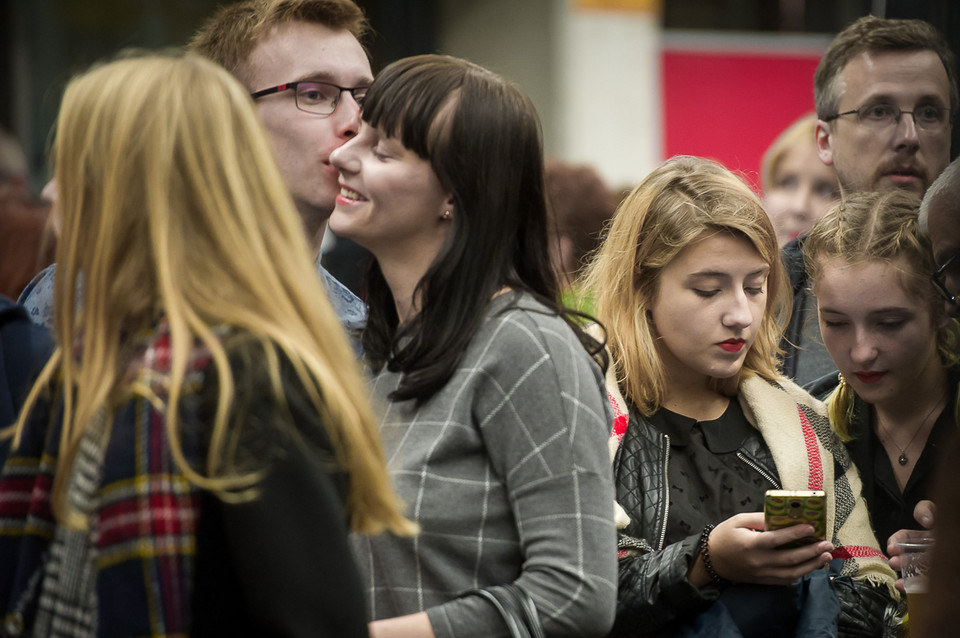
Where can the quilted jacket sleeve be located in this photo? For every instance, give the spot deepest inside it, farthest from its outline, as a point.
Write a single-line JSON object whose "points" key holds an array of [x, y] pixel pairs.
{"points": [[654, 590], [866, 610]]}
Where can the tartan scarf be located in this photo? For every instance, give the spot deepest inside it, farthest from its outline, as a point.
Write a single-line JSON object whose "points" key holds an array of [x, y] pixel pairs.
{"points": [[790, 420], [131, 571]]}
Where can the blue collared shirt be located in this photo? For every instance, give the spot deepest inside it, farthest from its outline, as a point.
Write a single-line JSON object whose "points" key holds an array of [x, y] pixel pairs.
{"points": [[37, 299]]}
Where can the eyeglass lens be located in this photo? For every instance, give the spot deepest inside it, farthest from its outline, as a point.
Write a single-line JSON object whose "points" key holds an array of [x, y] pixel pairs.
{"points": [[882, 115], [939, 279], [322, 98]]}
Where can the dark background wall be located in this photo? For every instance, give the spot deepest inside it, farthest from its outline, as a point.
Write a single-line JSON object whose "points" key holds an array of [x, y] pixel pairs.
{"points": [[44, 42]]}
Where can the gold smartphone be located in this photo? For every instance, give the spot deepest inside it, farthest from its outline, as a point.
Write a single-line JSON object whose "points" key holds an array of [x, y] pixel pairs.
{"points": [[783, 508]]}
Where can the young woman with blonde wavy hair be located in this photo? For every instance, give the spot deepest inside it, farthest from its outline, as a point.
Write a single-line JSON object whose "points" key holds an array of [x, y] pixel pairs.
{"points": [[690, 288], [193, 454], [897, 351]]}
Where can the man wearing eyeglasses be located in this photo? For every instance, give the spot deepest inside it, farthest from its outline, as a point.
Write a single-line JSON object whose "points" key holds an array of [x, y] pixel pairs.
{"points": [[303, 63], [886, 96], [940, 220]]}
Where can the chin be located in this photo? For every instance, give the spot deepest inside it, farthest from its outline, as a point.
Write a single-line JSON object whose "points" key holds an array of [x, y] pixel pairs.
{"points": [[727, 372], [870, 393]]}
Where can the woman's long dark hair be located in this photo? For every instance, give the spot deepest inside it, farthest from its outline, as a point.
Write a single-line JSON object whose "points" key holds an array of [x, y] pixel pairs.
{"points": [[482, 138]]}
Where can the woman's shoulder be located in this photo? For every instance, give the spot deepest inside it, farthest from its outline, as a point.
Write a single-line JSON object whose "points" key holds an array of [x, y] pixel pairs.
{"points": [[525, 317], [152, 358], [152, 354], [761, 391], [519, 326]]}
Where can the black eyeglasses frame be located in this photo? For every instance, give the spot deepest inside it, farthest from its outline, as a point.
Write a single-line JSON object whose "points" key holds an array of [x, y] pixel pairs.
{"points": [[288, 86]]}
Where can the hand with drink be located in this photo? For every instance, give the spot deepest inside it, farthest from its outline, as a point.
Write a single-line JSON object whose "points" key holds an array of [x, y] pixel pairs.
{"points": [[910, 551], [924, 514], [915, 554]]}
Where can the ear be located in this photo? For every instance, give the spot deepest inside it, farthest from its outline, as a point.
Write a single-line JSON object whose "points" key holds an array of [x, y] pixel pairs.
{"points": [[822, 139], [448, 209]]}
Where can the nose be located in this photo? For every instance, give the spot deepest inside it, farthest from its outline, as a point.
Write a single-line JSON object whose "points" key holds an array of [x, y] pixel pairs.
{"points": [[907, 136], [864, 351], [801, 202], [344, 157], [49, 192], [346, 117], [737, 315]]}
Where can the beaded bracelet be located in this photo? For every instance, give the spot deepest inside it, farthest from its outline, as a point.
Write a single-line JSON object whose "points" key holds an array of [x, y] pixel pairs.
{"points": [[705, 554]]}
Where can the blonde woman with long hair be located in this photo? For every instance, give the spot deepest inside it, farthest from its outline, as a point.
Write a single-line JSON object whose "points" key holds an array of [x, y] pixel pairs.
{"points": [[691, 290], [897, 351], [196, 450]]}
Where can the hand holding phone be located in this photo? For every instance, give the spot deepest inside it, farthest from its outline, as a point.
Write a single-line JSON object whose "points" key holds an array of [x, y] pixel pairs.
{"points": [[782, 508]]}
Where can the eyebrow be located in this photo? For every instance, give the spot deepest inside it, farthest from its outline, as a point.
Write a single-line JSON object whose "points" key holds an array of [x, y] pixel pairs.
{"points": [[326, 77], [873, 313], [886, 97], [703, 274]]}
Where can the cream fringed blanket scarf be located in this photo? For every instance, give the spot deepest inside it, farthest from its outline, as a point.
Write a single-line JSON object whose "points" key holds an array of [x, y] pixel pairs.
{"points": [[808, 456]]}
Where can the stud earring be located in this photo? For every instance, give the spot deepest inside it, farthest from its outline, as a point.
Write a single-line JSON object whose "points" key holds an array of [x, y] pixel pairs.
{"points": [[447, 214]]}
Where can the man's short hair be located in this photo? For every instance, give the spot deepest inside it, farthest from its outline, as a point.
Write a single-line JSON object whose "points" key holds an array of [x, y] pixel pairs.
{"points": [[877, 35], [230, 35]]}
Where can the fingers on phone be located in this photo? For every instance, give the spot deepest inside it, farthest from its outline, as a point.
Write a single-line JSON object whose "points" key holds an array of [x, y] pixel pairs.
{"points": [[786, 535]]}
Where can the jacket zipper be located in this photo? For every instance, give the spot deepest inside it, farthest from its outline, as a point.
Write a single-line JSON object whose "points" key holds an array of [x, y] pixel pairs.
{"points": [[763, 473], [666, 491]]}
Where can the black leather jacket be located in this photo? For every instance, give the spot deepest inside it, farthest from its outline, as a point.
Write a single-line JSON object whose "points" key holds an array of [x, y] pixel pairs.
{"points": [[653, 590]]}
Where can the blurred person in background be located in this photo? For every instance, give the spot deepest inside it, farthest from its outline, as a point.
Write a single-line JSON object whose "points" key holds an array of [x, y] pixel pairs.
{"points": [[579, 204], [24, 348], [193, 454], [797, 187], [27, 243]]}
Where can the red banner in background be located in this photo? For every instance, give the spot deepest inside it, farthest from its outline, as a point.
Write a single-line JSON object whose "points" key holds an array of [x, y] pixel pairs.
{"points": [[729, 106]]}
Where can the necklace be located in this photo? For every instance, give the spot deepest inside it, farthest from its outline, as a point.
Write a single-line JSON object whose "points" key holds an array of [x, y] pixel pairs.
{"points": [[902, 459]]}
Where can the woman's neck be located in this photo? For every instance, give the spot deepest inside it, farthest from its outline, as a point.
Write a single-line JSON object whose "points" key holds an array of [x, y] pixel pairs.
{"points": [[701, 408], [697, 401], [402, 277], [690, 393]]}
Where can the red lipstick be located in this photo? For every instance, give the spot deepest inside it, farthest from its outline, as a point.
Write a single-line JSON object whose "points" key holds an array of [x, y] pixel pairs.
{"points": [[870, 376], [732, 345]]}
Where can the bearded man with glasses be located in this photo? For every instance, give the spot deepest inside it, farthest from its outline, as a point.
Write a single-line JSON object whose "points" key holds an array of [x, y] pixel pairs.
{"points": [[886, 98], [873, 73]]}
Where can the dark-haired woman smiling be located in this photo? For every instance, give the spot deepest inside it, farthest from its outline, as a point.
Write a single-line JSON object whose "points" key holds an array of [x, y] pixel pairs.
{"points": [[495, 419]]}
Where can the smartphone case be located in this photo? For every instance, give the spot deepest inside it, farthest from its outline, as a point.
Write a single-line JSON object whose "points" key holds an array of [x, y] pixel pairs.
{"points": [[782, 508]]}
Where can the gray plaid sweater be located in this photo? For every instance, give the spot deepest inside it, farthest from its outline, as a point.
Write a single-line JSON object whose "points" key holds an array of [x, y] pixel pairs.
{"points": [[507, 472]]}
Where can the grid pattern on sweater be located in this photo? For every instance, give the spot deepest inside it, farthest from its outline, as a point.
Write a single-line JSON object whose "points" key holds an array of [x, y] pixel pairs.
{"points": [[506, 469]]}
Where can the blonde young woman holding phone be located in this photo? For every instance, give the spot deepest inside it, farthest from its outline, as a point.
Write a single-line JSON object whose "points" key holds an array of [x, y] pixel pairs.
{"points": [[693, 296]]}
